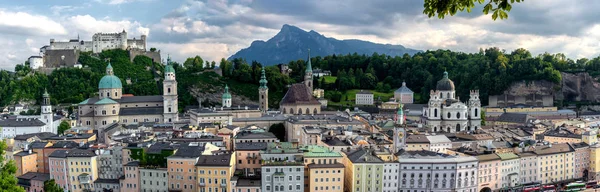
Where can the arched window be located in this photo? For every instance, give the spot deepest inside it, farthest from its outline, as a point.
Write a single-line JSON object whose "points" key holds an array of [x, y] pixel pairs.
{"points": [[441, 96], [476, 112], [448, 95], [114, 112], [101, 94], [291, 110], [315, 111], [434, 112], [307, 111], [116, 95], [103, 112], [449, 115], [168, 90], [262, 96], [457, 127], [284, 111], [299, 111], [434, 129], [458, 115]]}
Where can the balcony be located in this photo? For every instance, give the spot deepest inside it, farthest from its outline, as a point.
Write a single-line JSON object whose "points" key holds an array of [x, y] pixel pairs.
{"points": [[201, 184], [223, 184], [84, 178], [252, 157]]}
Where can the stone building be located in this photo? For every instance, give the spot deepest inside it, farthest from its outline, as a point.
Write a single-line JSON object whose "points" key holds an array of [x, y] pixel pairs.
{"points": [[404, 95], [111, 106], [299, 99], [364, 98], [99, 42], [446, 113]]}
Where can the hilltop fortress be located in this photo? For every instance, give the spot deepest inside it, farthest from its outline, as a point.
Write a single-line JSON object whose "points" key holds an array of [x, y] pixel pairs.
{"points": [[66, 53]]}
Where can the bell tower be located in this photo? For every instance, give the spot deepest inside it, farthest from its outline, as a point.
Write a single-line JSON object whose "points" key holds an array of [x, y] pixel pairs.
{"points": [[170, 113], [46, 113], [263, 92], [308, 74]]}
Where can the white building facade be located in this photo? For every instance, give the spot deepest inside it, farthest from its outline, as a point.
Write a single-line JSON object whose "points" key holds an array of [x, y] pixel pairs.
{"points": [[430, 171], [391, 171], [99, 42], [446, 113], [364, 98]]}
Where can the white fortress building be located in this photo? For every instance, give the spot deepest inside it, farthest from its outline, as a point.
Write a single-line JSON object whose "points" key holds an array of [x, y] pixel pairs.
{"points": [[446, 113], [99, 42]]}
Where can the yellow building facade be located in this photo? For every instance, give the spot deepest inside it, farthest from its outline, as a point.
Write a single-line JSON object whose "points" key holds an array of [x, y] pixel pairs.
{"points": [[83, 169], [324, 170], [555, 162], [214, 172]]}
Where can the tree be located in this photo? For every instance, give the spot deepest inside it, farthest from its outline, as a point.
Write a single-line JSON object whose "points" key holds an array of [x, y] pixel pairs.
{"points": [[51, 186], [64, 125], [278, 130], [8, 181], [194, 63], [153, 49], [441, 8], [212, 64]]}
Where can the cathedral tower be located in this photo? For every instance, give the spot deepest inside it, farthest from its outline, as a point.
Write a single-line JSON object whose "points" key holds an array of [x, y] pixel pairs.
{"points": [[308, 74], [46, 113], [170, 112], [263, 92]]}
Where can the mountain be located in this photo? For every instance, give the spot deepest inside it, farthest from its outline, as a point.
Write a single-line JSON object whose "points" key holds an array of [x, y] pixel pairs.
{"points": [[292, 43]]}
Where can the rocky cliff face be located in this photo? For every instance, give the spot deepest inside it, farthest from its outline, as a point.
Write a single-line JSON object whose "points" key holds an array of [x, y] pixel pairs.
{"points": [[574, 87], [579, 87]]}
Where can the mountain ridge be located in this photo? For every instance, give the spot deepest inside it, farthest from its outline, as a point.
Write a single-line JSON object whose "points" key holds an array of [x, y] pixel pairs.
{"points": [[292, 43]]}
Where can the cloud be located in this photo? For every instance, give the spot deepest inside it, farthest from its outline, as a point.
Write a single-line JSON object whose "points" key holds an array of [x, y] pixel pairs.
{"points": [[87, 25], [22, 23], [118, 2]]}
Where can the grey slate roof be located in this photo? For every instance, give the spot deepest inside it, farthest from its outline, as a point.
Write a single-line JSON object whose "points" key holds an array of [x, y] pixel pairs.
{"points": [[141, 111], [156, 148], [24, 153], [363, 156], [38, 145], [35, 176], [299, 94], [65, 144], [29, 122], [59, 154], [260, 135], [214, 160], [513, 118], [189, 151], [141, 99], [42, 136], [254, 146], [80, 153], [403, 89]]}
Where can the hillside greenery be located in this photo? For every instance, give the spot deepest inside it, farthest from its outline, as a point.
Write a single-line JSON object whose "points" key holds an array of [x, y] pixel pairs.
{"points": [[491, 71]]}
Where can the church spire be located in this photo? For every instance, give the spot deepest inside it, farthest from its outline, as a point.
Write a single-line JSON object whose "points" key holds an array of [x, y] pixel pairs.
{"points": [[308, 64], [400, 115], [263, 79]]}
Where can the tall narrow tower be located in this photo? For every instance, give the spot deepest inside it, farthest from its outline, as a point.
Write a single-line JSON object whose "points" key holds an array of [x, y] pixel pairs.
{"points": [[47, 113], [308, 74], [263, 92], [226, 98], [170, 112]]}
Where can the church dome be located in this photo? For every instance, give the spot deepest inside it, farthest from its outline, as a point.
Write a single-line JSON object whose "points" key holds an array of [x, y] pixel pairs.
{"points": [[445, 84], [226, 95], [110, 81]]}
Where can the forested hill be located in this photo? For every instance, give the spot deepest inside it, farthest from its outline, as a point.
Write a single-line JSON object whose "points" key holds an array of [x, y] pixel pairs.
{"points": [[491, 71], [292, 43]]}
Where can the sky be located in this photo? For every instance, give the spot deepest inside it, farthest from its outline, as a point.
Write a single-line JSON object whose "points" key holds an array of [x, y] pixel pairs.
{"points": [[216, 29]]}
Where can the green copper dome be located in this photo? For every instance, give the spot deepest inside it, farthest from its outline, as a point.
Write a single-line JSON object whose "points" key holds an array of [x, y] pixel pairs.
{"points": [[263, 79], [110, 81], [226, 95], [308, 64], [169, 68]]}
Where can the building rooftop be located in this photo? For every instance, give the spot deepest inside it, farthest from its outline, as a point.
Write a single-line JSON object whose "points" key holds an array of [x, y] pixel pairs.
{"points": [[403, 89], [367, 92], [141, 111], [59, 154], [315, 151], [188, 152], [35, 176], [81, 153], [64, 144], [142, 99], [488, 157], [24, 153], [39, 145], [41, 135], [21, 122], [417, 139], [553, 149], [214, 160], [520, 118], [299, 94], [244, 182], [252, 146], [507, 156], [434, 139], [363, 156]]}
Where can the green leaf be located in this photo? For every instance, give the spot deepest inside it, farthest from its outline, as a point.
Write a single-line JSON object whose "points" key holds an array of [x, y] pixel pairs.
{"points": [[487, 8], [495, 15]]}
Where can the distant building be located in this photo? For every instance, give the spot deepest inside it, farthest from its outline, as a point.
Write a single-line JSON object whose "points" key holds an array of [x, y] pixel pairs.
{"points": [[446, 113], [282, 168], [35, 62], [364, 98], [320, 73], [404, 94], [319, 93], [506, 100], [99, 42]]}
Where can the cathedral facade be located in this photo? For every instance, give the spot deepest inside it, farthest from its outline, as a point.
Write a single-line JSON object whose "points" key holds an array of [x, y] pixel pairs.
{"points": [[111, 106], [446, 113]]}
